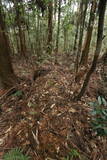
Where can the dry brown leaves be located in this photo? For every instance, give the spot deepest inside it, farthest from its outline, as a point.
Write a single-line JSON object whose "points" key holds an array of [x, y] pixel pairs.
{"points": [[45, 122]]}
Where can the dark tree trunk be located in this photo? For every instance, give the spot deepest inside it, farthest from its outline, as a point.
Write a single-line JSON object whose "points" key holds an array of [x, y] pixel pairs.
{"points": [[102, 8], [80, 24], [83, 8], [20, 24], [79, 27], [50, 18], [85, 51], [7, 76]]}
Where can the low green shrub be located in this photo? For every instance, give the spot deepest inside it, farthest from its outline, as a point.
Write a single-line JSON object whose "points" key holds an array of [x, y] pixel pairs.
{"points": [[72, 154], [15, 154], [99, 116]]}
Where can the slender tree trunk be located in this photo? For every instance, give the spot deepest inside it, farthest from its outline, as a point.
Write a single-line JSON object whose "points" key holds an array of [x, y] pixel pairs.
{"points": [[50, 29], [19, 8], [7, 76], [81, 27], [58, 29], [38, 48], [102, 8], [76, 35], [76, 38], [65, 39], [17, 41], [55, 9], [83, 8], [86, 46], [31, 50], [54, 21]]}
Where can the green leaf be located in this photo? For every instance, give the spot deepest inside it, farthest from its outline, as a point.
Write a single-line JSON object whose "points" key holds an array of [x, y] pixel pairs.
{"points": [[104, 112], [99, 100], [74, 153], [18, 93], [15, 154], [93, 113], [104, 102], [93, 104]]}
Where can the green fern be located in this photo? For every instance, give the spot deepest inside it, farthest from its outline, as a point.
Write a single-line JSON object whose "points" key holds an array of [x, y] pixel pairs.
{"points": [[72, 154], [15, 154], [99, 116]]}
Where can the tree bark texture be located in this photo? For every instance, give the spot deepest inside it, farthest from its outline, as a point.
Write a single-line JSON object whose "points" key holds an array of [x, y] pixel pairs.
{"points": [[50, 27], [7, 76], [86, 46], [102, 8], [58, 29]]}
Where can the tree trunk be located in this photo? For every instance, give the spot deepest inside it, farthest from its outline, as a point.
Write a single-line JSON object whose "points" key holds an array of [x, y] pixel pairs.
{"points": [[20, 20], [83, 9], [86, 46], [76, 37], [102, 8], [7, 76], [58, 29], [50, 18], [80, 25], [65, 39], [55, 9]]}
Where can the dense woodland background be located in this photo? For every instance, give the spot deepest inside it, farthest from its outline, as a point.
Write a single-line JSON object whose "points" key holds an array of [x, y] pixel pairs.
{"points": [[53, 63]]}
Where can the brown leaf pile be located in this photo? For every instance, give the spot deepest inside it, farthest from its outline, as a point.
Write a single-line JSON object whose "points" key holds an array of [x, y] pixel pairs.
{"points": [[45, 123]]}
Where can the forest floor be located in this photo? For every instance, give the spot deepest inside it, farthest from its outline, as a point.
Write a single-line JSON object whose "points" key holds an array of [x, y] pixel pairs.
{"points": [[41, 118]]}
